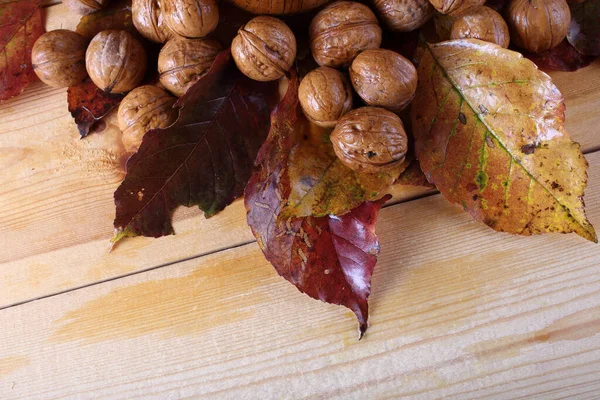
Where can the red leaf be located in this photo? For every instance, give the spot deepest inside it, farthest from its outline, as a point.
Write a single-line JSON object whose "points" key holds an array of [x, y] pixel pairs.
{"points": [[328, 258], [563, 57], [204, 159], [20, 26], [88, 104]]}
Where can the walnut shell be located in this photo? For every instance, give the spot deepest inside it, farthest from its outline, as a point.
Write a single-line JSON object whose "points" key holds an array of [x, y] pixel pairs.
{"points": [[342, 30], [144, 108], [85, 7], [115, 61], [264, 49], [191, 18], [370, 139], [325, 95], [538, 25], [403, 15], [456, 7], [149, 21], [384, 78], [58, 58], [484, 24], [278, 7], [181, 62]]}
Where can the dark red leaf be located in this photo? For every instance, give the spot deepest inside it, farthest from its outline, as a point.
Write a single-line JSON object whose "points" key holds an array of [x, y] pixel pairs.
{"points": [[88, 104], [20, 26], [204, 159], [329, 258], [563, 57], [584, 32]]}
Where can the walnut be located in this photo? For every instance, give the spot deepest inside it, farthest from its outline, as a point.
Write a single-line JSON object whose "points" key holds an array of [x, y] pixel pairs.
{"points": [[370, 139], [342, 30], [325, 95], [144, 108], [58, 58], [264, 49], [403, 15], [181, 62], [484, 24], [538, 25], [85, 7], [149, 21], [456, 7], [115, 61], [278, 7], [191, 18], [384, 78]]}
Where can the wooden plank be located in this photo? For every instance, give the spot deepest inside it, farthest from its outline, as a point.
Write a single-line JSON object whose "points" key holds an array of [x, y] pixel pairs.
{"points": [[457, 312], [56, 206]]}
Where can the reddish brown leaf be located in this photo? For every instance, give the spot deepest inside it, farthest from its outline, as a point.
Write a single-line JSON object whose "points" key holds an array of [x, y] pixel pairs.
{"points": [[116, 16], [563, 57], [413, 176], [20, 26], [329, 258], [88, 104], [204, 159], [584, 32]]}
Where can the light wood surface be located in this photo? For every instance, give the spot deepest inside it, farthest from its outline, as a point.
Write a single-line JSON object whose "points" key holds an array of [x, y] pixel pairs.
{"points": [[457, 311]]}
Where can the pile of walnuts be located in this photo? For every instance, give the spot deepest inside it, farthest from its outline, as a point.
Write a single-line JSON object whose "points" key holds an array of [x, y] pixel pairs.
{"points": [[344, 38]]}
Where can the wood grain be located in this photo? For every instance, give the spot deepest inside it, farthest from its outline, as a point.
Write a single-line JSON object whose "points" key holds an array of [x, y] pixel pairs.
{"points": [[457, 312]]}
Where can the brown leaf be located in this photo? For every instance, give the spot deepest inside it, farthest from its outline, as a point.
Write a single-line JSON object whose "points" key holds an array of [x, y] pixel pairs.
{"points": [[413, 176], [563, 57], [329, 258], [204, 159], [489, 131], [116, 16], [584, 31], [20, 26]]}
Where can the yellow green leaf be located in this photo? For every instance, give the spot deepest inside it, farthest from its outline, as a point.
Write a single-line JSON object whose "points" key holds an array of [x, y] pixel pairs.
{"points": [[489, 133]]}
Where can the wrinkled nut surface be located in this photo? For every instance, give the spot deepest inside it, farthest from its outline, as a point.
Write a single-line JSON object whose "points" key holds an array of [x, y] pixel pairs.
{"points": [[325, 95], [278, 7], [264, 49], [342, 30], [144, 108], [538, 25], [115, 61], [149, 21], [181, 62], [384, 78], [58, 58], [370, 139], [85, 7], [190, 18], [403, 15], [484, 24], [456, 7]]}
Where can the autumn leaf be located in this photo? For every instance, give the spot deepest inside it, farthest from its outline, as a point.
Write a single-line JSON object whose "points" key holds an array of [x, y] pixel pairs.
{"points": [[328, 258], [204, 159], [563, 57], [320, 183], [413, 176], [584, 31], [489, 134], [116, 16], [20, 26]]}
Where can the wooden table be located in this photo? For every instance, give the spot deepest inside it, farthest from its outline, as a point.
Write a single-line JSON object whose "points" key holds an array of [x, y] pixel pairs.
{"points": [[457, 311]]}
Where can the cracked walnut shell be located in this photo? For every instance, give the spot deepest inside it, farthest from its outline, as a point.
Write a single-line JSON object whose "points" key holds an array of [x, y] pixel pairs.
{"points": [[191, 18], [264, 49], [325, 95], [342, 30], [148, 19], [456, 7], [144, 108], [370, 139], [384, 78], [115, 61], [484, 24], [58, 58], [403, 15], [538, 25], [181, 62]]}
